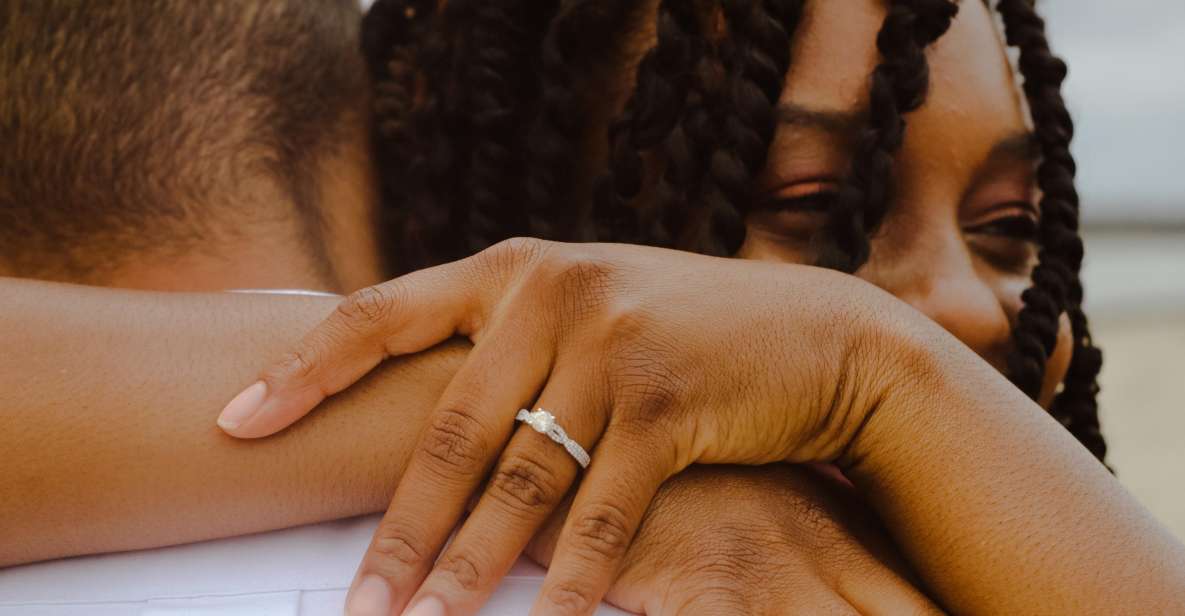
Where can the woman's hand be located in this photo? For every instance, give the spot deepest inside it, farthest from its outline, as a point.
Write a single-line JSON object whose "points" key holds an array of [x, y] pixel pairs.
{"points": [[657, 358], [774, 539]]}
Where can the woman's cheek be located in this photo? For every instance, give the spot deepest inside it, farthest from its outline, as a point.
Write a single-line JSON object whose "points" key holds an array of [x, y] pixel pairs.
{"points": [[1059, 362]]}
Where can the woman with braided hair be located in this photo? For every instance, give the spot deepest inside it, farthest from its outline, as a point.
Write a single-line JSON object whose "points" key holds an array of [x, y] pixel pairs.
{"points": [[740, 128]]}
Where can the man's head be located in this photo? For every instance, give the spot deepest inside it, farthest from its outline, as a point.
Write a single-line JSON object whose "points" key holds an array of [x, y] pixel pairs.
{"points": [[149, 133]]}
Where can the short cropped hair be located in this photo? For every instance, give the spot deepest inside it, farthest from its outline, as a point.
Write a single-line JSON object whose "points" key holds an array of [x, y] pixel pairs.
{"points": [[130, 127]]}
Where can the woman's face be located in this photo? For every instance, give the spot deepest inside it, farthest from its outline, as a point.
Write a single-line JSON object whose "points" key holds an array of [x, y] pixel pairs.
{"points": [[957, 243]]}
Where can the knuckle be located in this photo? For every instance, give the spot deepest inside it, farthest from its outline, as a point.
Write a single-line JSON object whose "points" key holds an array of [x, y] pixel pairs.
{"points": [[583, 283], [733, 556], [368, 307], [646, 369], [452, 440], [395, 548], [524, 484], [514, 252], [603, 532], [628, 332], [713, 598], [724, 583], [809, 518], [742, 554], [464, 571], [628, 319], [299, 364], [648, 392], [651, 395], [570, 599]]}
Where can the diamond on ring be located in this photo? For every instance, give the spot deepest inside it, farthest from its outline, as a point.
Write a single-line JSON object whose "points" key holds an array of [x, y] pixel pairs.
{"points": [[544, 423]]}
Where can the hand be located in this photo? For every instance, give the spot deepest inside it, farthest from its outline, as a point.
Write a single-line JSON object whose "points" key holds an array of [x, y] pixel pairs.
{"points": [[774, 539], [658, 358]]}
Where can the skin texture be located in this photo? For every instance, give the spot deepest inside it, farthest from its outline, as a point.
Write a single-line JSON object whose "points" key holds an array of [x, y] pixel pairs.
{"points": [[268, 237], [676, 568], [104, 455], [920, 297], [953, 175], [823, 367], [940, 249]]}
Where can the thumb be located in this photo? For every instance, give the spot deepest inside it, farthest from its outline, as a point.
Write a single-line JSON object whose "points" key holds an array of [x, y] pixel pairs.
{"points": [[404, 315]]}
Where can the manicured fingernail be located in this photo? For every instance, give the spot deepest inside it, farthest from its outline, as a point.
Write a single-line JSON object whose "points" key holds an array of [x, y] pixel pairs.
{"points": [[428, 606], [372, 597], [243, 406]]}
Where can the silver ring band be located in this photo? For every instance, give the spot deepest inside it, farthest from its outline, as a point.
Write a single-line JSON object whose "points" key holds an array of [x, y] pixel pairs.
{"points": [[544, 423]]}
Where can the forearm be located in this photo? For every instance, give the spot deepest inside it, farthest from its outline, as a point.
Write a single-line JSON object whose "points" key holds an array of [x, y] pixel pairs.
{"points": [[107, 433], [997, 506]]}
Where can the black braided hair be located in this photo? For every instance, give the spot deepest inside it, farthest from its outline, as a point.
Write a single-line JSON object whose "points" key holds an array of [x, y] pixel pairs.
{"points": [[723, 140], [575, 40], [502, 42], [385, 29], [899, 86], [1056, 286], [679, 217], [759, 55], [409, 119], [662, 84], [703, 104], [451, 99]]}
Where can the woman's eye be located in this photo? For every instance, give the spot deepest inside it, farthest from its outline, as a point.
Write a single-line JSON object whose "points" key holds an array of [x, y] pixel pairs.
{"points": [[1023, 228], [790, 220], [821, 201]]}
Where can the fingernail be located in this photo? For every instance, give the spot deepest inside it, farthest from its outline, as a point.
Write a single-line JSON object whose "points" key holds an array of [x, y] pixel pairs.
{"points": [[243, 406], [372, 597], [428, 606]]}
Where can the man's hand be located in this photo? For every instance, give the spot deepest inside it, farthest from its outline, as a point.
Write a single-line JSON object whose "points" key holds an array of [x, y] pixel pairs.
{"points": [[775, 539]]}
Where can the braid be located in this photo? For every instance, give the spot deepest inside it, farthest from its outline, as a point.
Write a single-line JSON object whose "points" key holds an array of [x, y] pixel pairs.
{"points": [[899, 86], [686, 154], [1056, 285], [439, 119], [732, 150], [554, 142], [403, 124], [503, 42], [384, 30], [1076, 407], [680, 217], [663, 83]]}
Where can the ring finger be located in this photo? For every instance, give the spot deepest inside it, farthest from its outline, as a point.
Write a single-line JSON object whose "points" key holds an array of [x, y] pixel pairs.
{"points": [[528, 483], [468, 429]]}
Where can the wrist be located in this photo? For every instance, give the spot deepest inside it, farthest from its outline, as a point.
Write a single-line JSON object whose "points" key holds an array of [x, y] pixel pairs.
{"points": [[895, 374]]}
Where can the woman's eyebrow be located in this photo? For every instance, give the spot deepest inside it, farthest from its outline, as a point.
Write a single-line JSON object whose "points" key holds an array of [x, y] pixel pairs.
{"points": [[1017, 147], [842, 123]]}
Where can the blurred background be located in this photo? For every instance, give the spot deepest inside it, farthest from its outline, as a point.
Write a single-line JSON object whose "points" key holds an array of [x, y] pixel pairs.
{"points": [[1127, 92]]}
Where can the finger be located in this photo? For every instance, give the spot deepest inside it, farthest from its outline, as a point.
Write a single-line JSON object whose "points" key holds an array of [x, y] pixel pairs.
{"points": [[742, 593], [404, 315], [541, 547], [697, 595], [469, 428], [625, 474], [528, 483], [885, 593]]}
